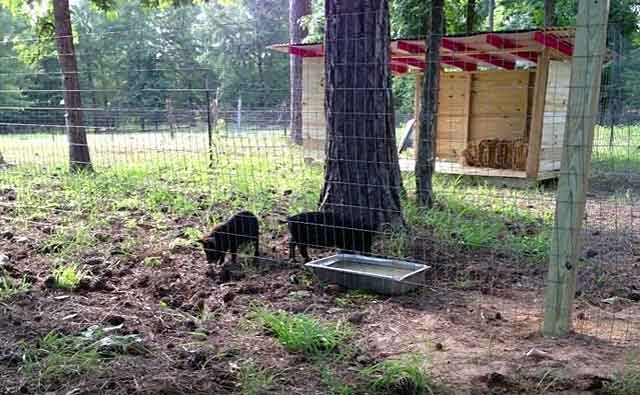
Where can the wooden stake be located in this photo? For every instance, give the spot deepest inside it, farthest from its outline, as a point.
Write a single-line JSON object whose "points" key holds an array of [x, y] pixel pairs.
{"points": [[588, 56], [537, 114], [417, 103]]}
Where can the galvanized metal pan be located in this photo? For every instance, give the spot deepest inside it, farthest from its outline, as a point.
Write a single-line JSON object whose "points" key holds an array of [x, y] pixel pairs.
{"points": [[380, 275]]}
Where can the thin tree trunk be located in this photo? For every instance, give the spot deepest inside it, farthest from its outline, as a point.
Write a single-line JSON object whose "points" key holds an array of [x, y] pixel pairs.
{"points": [[297, 9], [171, 117], [362, 172], [94, 101], [426, 160], [79, 157], [471, 15], [549, 13], [492, 7]]}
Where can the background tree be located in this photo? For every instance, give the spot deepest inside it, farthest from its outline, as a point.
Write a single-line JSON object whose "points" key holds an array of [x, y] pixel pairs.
{"points": [[549, 12], [297, 33], [491, 10], [362, 173], [471, 15], [426, 158], [79, 157]]}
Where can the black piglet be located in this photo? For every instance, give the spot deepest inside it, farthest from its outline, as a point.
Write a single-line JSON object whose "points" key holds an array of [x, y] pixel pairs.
{"points": [[242, 228]]}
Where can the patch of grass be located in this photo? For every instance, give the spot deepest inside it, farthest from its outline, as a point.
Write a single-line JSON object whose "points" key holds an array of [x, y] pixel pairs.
{"points": [[302, 332], [10, 288], [56, 356], [397, 244], [625, 383], [152, 261], [355, 298], [400, 376], [68, 276], [254, 380], [67, 241], [334, 385], [476, 217], [192, 234]]}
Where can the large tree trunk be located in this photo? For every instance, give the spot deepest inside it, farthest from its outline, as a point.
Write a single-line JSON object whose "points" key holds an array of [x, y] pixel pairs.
{"points": [[297, 9], [362, 173], [471, 15], [491, 11], [549, 13], [425, 163], [78, 148]]}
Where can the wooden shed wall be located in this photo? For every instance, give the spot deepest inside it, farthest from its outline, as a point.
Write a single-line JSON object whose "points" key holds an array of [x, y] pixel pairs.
{"points": [[498, 107], [313, 121], [473, 106], [555, 114]]}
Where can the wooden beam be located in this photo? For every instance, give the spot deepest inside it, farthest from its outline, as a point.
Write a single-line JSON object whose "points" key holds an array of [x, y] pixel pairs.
{"points": [[419, 64], [527, 55], [459, 63], [551, 41], [398, 68], [584, 93], [495, 60], [537, 114], [500, 42], [454, 46], [305, 52], [410, 47], [505, 43]]}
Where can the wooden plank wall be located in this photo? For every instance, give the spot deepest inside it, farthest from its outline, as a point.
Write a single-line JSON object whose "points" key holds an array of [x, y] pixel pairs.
{"points": [[452, 115], [313, 117], [555, 115], [499, 107]]}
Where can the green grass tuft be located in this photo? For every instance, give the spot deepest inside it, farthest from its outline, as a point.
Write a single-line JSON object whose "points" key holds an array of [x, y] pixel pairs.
{"points": [[254, 380], [10, 288], [68, 276], [334, 385], [400, 376], [626, 383], [56, 356], [303, 333], [152, 261]]}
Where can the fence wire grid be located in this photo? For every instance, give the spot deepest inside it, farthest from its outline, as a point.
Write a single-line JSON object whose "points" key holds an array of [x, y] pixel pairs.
{"points": [[194, 155]]}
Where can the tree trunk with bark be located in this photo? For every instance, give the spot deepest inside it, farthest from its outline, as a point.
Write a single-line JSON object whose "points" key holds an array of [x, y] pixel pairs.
{"points": [[549, 13], [471, 15], [426, 158], [362, 172], [297, 9], [491, 11], [79, 157]]}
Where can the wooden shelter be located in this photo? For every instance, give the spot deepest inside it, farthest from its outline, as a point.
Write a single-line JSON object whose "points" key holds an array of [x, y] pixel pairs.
{"points": [[502, 100]]}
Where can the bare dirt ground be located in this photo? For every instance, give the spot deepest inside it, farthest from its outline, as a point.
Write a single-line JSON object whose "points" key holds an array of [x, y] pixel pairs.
{"points": [[474, 321]]}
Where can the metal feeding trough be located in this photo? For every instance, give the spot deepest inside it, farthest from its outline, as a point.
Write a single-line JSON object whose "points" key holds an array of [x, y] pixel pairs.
{"points": [[384, 276]]}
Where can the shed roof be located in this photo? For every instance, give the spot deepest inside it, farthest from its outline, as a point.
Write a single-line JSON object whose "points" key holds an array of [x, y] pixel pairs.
{"points": [[499, 49]]}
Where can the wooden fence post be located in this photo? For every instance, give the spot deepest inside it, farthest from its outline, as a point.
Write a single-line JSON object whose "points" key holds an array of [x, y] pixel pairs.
{"points": [[584, 93]]}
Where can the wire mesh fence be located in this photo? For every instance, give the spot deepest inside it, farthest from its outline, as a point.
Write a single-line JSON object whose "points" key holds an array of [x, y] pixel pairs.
{"points": [[189, 134]]}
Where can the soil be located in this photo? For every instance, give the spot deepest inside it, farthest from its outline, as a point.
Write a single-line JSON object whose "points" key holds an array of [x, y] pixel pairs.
{"points": [[475, 320]]}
